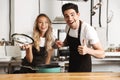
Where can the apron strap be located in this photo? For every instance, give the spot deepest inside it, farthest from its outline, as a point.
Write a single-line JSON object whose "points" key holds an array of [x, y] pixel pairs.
{"points": [[79, 30]]}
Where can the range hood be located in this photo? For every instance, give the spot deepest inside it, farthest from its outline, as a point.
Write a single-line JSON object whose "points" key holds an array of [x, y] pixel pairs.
{"points": [[59, 19]]}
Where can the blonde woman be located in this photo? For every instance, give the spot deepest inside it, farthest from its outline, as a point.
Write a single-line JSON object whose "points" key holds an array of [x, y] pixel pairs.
{"points": [[41, 51]]}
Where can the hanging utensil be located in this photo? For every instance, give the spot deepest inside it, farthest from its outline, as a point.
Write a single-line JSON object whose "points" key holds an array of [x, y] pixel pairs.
{"points": [[100, 13]]}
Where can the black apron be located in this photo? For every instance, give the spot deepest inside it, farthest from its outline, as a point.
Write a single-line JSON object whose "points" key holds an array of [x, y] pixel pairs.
{"points": [[77, 62], [39, 58]]}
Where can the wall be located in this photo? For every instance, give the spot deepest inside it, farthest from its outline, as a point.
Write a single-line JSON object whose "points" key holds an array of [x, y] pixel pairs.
{"points": [[114, 25], [53, 8], [4, 19], [24, 13], [84, 8], [101, 30], [107, 32]]}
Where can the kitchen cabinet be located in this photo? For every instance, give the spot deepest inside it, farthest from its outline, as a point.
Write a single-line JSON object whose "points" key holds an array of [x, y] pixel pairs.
{"points": [[4, 67], [8, 67], [111, 63], [10, 58]]}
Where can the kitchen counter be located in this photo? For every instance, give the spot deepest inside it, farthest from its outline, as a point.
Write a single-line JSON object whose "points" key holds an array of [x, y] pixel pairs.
{"points": [[110, 57], [62, 76], [111, 63], [8, 66]]}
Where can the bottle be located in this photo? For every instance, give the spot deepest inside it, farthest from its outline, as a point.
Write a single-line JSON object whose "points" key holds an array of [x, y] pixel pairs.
{"points": [[118, 48], [112, 48]]}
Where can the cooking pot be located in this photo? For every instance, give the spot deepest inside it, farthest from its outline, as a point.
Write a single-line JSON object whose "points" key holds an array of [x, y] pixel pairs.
{"points": [[49, 68]]}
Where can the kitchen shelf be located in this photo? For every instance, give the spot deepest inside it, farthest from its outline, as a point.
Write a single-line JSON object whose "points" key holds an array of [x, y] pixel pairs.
{"points": [[112, 53]]}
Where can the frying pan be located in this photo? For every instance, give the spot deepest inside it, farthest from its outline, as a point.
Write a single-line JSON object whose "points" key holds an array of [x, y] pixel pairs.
{"points": [[49, 68], [22, 38]]}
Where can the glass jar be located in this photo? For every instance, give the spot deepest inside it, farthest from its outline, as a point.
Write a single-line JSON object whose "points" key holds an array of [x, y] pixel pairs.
{"points": [[112, 48], [118, 48]]}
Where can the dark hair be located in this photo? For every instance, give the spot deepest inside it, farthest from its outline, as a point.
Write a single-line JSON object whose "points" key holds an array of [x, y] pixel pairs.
{"points": [[69, 6]]}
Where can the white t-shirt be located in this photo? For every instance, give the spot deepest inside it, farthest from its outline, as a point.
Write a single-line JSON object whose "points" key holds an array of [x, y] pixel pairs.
{"points": [[87, 32], [42, 42]]}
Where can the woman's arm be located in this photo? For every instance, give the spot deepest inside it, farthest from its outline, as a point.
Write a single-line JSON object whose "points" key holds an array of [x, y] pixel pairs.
{"points": [[29, 55], [48, 58]]}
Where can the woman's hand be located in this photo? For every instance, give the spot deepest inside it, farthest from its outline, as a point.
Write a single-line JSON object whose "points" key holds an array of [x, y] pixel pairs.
{"points": [[26, 46]]}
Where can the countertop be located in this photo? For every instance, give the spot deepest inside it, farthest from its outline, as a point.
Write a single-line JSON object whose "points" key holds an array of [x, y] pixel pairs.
{"points": [[112, 58], [62, 76]]}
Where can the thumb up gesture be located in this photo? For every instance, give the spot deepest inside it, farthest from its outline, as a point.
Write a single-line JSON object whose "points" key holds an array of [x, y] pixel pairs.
{"points": [[82, 49]]}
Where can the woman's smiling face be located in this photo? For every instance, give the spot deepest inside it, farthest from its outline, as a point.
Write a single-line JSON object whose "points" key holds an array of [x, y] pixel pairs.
{"points": [[43, 24]]}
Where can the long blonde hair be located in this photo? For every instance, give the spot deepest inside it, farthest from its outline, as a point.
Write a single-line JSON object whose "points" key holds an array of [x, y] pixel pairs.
{"points": [[48, 35]]}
